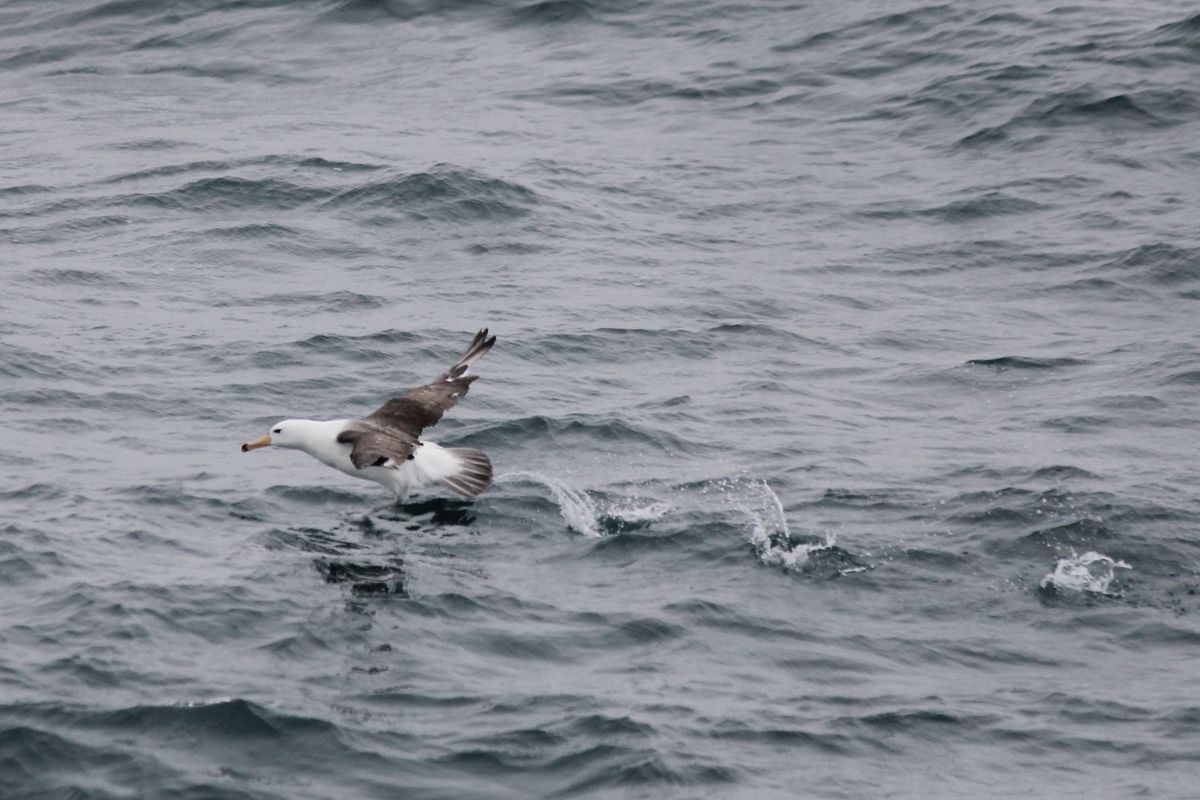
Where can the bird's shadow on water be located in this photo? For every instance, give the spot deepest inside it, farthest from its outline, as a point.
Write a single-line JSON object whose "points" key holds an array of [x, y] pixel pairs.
{"points": [[339, 559], [366, 579], [420, 514], [349, 554]]}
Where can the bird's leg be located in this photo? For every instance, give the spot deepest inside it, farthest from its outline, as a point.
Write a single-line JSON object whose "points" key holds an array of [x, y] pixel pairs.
{"points": [[394, 502], [367, 514]]}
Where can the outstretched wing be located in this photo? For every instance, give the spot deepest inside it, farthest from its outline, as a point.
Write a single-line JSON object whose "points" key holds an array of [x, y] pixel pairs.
{"points": [[411, 413]]}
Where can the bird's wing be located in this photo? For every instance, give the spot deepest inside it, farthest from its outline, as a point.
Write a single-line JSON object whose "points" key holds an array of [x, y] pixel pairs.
{"points": [[377, 446], [413, 412]]}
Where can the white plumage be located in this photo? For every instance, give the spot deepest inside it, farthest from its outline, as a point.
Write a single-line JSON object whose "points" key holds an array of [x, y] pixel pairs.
{"points": [[430, 465], [385, 447]]}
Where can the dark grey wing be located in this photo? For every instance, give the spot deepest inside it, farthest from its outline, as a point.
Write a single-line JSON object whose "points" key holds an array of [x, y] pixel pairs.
{"points": [[424, 406], [376, 446]]}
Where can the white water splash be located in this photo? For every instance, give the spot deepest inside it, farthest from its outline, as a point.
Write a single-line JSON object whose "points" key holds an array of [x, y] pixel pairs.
{"points": [[769, 533], [635, 511], [577, 507], [584, 512], [1090, 572], [590, 515]]}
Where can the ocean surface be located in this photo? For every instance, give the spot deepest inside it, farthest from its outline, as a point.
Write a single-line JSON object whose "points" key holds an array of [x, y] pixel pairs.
{"points": [[844, 408]]}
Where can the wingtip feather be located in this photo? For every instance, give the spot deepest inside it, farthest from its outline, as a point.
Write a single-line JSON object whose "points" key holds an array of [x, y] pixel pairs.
{"points": [[478, 348]]}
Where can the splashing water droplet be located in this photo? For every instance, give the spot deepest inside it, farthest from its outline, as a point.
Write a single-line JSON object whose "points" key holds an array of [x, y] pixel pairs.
{"points": [[769, 532], [769, 535], [578, 509], [1091, 572]]}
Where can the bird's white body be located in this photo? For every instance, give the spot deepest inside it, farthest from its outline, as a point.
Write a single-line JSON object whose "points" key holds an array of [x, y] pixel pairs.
{"points": [[431, 463]]}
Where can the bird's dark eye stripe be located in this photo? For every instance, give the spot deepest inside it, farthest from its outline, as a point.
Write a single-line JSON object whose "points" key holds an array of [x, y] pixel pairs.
{"points": [[277, 430]]}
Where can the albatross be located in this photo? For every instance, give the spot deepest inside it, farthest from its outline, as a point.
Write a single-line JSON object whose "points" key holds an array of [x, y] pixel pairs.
{"points": [[386, 446]]}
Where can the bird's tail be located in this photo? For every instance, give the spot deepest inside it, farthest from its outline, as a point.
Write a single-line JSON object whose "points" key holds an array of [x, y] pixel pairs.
{"points": [[462, 470], [474, 475]]}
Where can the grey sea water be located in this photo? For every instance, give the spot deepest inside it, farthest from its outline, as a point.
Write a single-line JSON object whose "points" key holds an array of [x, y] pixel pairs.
{"points": [[844, 406]]}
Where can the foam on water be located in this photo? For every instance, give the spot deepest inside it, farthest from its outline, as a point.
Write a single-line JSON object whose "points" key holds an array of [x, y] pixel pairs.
{"points": [[1091, 572], [637, 511]]}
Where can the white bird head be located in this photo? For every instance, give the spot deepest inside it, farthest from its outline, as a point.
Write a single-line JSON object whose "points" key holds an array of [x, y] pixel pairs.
{"points": [[289, 433]]}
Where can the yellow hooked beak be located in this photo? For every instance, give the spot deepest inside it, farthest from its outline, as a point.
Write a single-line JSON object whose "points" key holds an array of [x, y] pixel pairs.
{"points": [[265, 441]]}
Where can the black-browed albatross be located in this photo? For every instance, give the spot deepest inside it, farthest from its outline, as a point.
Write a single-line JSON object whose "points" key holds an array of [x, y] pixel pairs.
{"points": [[386, 447]]}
